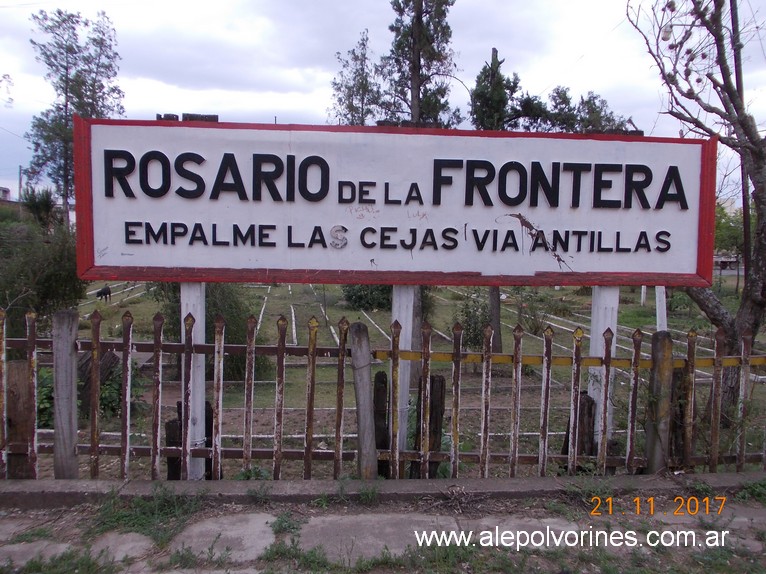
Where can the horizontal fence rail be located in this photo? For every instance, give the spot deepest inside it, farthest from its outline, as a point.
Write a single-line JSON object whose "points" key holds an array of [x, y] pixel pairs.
{"points": [[663, 429]]}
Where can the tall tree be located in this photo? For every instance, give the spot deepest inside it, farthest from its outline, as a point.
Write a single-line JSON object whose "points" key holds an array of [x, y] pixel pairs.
{"points": [[696, 47], [497, 103], [356, 88], [417, 71], [82, 72]]}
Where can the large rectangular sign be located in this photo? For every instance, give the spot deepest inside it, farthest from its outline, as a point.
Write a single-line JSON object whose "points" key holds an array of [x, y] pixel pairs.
{"points": [[239, 202]]}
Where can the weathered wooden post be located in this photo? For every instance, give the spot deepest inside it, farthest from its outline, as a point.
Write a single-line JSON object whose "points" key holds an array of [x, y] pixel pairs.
{"points": [[660, 402], [361, 366], [65, 394]]}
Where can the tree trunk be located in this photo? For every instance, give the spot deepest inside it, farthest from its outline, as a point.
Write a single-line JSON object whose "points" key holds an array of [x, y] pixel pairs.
{"points": [[417, 43]]}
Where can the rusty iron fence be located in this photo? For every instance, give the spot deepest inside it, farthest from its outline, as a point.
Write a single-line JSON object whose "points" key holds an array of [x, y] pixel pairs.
{"points": [[672, 410]]}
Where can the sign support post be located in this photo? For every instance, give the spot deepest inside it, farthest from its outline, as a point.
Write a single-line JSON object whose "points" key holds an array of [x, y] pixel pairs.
{"points": [[605, 302], [402, 307], [193, 301]]}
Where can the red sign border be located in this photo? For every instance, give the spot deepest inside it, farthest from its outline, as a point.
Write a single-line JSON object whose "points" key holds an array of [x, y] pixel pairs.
{"points": [[87, 269]]}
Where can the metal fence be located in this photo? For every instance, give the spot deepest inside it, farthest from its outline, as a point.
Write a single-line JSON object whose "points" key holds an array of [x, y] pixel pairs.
{"points": [[671, 432]]}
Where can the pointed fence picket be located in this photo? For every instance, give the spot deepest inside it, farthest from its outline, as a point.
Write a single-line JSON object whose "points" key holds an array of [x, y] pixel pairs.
{"points": [[19, 439]]}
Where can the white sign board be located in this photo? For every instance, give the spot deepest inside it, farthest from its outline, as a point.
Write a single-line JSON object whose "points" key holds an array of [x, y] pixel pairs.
{"points": [[234, 202]]}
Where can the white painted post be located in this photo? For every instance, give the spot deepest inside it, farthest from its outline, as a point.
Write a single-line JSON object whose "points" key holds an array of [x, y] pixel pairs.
{"points": [[661, 309], [605, 303], [643, 295], [402, 307], [193, 301]]}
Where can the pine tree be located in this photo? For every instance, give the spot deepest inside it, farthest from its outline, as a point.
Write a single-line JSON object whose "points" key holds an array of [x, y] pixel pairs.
{"points": [[82, 72]]}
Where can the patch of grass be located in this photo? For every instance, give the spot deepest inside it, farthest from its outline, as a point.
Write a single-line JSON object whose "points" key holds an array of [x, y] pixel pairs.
{"points": [[323, 501], [261, 495], [80, 561], [314, 560], [369, 495], [32, 535], [753, 491], [701, 489], [285, 523], [253, 473], [586, 490], [160, 516], [562, 509], [186, 558]]}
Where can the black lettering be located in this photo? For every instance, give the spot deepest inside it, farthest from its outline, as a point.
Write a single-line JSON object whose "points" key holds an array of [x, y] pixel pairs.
{"points": [[198, 234], [509, 241], [539, 181], [290, 242], [672, 178], [324, 178], [539, 241], [290, 177], [449, 238], [579, 235], [130, 233], [440, 179], [386, 241], [662, 238], [577, 170], [502, 182], [216, 241], [388, 201], [429, 240], [637, 187], [317, 236], [560, 242], [413, 194], [268, 178], [617, 247], [413, 239], [158, 236], [343, 185], [365, 187], [600, 184], [363, 237], [228, 166], [112, 172], [480, 242], [239, 237], [643, 242], [180, 167], [478, 182], [177, 231], [264, 237], [143, 173], [601, 248]]}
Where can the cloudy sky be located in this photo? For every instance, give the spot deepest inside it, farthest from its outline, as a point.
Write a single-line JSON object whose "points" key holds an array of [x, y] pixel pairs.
{"points": [[261, 60]]}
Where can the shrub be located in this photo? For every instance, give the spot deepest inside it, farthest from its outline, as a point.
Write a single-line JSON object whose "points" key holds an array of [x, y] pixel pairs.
{"points": [[368, 297]]}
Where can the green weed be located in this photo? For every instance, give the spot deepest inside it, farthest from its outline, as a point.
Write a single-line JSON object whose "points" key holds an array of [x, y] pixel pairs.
{"points": [[285, 524], [32, 535], [753, 491], [80, 561], [160, 516]]}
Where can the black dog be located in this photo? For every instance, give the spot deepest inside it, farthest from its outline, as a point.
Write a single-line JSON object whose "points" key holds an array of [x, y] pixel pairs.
{"points": [[105, 293]]}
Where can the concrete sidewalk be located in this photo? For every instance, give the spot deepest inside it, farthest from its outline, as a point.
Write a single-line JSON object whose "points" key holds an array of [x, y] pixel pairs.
{"points": [[279, 526]]}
